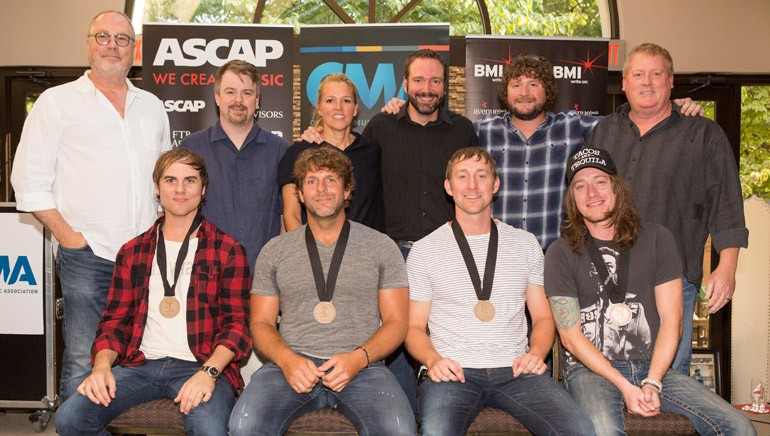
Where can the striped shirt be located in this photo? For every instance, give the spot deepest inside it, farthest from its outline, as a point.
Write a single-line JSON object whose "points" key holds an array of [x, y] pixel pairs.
{"points": [[532, 170], [437, 274]]}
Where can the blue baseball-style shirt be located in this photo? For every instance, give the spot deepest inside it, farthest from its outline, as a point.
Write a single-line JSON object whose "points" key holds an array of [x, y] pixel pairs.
{"points": [[533, 170]]}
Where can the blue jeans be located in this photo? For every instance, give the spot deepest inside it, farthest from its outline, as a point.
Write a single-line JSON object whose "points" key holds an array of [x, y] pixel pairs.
{"points": [[401, 364], [372, 401], [537, 401], [709, 413], [684, 352], [85, 280], [162, 378]]}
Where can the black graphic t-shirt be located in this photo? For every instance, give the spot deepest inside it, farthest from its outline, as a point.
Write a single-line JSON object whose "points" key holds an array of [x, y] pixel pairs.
{"points": [[655, 260]]}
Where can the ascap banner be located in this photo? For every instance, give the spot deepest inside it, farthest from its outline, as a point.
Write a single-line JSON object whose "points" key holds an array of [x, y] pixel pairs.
{"points": [[579, 66], [179, 62], [372, 56]]}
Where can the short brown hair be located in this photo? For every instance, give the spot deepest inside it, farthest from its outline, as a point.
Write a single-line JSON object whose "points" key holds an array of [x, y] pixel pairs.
{"points": [[334, 77], [181, 155], [650, 49], [534, 68], [476, 153], [425, 53], [326, 157], [238, 67], [623, 216]]}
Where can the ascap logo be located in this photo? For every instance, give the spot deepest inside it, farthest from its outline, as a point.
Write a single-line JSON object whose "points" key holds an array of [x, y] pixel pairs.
{"points": [[195, 52], [21, 272], [184, 105], [383, 83]]}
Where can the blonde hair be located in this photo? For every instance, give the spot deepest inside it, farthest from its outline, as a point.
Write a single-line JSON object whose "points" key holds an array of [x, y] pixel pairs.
{"points": [[334, 77], [650, 49]]}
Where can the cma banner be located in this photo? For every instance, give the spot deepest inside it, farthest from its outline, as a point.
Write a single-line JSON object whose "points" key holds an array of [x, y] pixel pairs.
{"points": [[579, 66], [21, 274], [179, 62], [372, 56]]}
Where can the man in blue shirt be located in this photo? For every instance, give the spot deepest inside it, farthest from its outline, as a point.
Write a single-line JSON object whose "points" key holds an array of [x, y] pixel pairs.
{"points": [[242, 197]]}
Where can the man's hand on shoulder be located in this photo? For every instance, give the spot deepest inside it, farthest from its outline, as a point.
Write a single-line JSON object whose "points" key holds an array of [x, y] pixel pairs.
{"points": [[689, 108], [393, 106], [196, 390], [301, 374], [344, 367], [313, 135], [99, 386], [528, 364], [445, 370]]}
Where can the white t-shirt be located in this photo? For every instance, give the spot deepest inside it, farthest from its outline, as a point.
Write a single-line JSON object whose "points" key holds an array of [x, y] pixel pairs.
{"points": [[437, 274], [167, 337]]}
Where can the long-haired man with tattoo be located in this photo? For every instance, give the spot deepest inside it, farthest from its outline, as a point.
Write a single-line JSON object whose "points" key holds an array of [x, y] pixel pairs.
{"points": [[615, 288]]}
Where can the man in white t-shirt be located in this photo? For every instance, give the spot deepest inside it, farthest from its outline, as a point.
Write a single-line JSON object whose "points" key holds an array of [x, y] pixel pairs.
{"points": [[478, 353], [175, 318]]}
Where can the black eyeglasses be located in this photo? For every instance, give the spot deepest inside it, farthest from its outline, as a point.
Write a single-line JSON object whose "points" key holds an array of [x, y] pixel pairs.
{"points": [[121, 40]]}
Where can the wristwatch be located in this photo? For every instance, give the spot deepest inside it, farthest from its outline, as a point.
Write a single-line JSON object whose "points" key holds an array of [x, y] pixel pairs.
{"points": [[212, 371]]}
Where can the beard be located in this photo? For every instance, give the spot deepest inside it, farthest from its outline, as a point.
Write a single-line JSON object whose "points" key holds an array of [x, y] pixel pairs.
{"points": [[109, 67], [327, 211], [426, 109], [237, 119], [535, 112]]}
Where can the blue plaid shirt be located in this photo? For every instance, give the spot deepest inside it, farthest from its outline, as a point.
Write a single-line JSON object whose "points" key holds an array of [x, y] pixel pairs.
{"points": [[533, 170]]}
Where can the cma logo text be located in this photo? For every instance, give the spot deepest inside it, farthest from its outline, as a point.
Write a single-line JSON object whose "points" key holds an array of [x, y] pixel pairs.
{"points": [[184, 105], [496, 71], [383, 83], [21, 271], [195, 52]]}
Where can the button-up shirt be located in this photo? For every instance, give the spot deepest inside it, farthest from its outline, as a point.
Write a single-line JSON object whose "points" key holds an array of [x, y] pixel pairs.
{"points": [[79, 156], [683, 175], [242, 197], [533, 170], [414, 160]]}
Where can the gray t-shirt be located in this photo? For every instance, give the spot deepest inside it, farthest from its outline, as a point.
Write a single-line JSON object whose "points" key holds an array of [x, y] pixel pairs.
{"points": [[654, 260], [371, 262]]}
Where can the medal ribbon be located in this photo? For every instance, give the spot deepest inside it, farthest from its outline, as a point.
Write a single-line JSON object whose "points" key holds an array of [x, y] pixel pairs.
{"points": [[167, 288], [484, 292], [617, 293], [325, 289]]}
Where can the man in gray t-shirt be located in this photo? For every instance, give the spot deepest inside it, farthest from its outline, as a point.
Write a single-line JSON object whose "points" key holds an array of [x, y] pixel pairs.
{"points": [[341, 291]]}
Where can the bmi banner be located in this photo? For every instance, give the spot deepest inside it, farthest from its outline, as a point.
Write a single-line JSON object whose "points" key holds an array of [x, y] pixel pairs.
{"points": [[579, 66], [372, 56], [179, 62]]}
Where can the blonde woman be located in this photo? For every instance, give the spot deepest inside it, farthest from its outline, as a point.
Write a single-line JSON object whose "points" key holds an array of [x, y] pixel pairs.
{"points": [[336, 108]]}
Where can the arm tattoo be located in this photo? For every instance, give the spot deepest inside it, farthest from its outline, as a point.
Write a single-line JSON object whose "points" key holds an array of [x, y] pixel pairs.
{"points": [[566, 311]]}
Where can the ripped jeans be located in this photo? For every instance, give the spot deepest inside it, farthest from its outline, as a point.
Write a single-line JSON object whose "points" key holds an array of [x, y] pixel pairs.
{"points": [[373, 401]]}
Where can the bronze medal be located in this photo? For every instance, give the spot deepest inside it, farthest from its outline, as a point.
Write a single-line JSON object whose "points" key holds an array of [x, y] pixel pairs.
{"points": [[169, 307], [324, 312], [620, 314], [484, 310]]}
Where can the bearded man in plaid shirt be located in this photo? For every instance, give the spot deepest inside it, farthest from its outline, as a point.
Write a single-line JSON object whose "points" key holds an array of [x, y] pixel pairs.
{"points": [[170, 332]]}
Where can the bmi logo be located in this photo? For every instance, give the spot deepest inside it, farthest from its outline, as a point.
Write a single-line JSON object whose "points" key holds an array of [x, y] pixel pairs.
{"points": [[20, 271]]}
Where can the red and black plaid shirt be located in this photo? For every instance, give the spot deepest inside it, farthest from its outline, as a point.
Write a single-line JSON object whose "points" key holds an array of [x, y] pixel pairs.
{"points": [[217, 300]]}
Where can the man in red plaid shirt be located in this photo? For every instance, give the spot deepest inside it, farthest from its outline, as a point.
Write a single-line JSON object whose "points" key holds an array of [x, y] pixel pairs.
{"points": [[170, 332]]}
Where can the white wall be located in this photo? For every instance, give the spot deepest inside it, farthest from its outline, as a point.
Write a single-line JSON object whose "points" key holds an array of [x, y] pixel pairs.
{"points": [[47, 32], [728, 36]]}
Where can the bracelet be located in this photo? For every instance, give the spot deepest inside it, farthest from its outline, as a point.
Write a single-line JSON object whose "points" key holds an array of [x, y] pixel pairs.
{"points": [[654, 383], [365, 352]]}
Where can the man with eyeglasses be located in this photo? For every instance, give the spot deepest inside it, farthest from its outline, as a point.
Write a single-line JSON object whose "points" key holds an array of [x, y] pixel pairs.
{"points": [[84, 169]]}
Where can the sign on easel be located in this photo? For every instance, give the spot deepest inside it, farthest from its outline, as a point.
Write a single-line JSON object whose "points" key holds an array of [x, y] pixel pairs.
{"points": [[21, 274]]}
